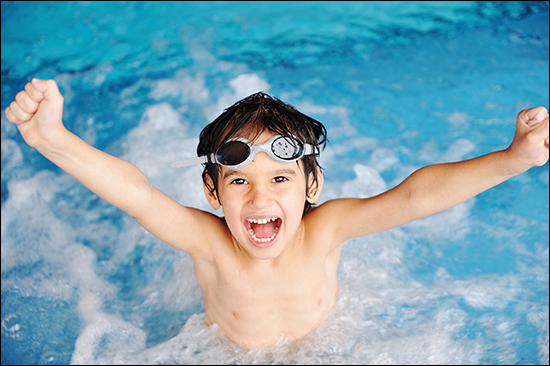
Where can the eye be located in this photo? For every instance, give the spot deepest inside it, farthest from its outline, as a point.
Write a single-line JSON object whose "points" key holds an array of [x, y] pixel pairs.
{"points": [[239, 181], [280, 179]]}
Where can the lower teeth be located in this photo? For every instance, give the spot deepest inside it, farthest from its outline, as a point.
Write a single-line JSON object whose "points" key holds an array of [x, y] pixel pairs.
{"points": [[263, 240]]}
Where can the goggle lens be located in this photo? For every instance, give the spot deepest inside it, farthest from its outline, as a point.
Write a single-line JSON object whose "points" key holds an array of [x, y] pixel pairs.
{"points": [[287, 148], [232, 153]]}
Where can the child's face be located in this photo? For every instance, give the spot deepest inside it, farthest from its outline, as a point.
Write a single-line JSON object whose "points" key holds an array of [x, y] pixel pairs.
{"points": [[263, 203]]}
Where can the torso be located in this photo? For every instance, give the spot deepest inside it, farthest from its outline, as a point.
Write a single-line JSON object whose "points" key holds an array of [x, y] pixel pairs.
{"points": [[258, 304]]}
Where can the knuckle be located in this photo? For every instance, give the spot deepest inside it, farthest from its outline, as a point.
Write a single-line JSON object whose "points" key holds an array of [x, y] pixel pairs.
{"points": [[9, 115], [24, 101], [51, 83], [19, 96], [14, 108]]}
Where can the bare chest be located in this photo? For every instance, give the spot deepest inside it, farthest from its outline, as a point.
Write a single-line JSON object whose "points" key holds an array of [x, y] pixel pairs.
{"points": [[261, 305]]}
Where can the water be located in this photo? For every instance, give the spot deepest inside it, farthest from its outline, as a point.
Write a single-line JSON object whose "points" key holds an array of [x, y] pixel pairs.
{"points": [[399, 85]]}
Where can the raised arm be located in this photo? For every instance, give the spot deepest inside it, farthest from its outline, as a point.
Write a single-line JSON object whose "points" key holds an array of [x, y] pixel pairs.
{"points": [[37, 112], [438, 187]]}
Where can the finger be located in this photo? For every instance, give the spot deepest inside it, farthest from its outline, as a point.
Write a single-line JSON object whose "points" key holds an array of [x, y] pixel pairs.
{"points": [[541, 124], [10, 116], [535, 115], [25, 102], [34, 94], [542, 127], [17, 114], [48, 88], [539, 132]]}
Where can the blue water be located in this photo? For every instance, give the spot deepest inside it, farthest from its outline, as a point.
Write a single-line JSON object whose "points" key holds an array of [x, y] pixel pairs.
{"points": [[398, 85]]}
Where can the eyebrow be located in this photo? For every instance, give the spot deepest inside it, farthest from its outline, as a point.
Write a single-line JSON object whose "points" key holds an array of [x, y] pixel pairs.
{"points": [[230, 173], [285, 171]]}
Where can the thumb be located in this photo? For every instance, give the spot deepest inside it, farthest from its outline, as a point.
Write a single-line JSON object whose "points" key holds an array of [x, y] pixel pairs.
{"points": [[535, 115], [48, 88], [51, 107]]}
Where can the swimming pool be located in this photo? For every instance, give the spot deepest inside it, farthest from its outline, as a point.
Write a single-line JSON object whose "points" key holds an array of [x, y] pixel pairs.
{"points": [[399, 85]]}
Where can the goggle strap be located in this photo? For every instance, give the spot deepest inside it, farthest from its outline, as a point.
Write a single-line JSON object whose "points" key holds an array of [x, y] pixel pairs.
{"points": [[310, 150], [191, 161]]}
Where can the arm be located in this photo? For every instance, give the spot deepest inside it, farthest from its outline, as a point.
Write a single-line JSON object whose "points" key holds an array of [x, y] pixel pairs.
{"points": [[438, 187], [38, 110]]}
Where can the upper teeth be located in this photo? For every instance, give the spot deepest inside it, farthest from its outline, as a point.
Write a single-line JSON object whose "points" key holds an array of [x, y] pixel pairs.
{"points": [[261, 221]]}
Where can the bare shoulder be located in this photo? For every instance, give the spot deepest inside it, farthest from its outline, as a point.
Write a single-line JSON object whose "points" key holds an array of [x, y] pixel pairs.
{"points": [[330, 212], [322, 223]]}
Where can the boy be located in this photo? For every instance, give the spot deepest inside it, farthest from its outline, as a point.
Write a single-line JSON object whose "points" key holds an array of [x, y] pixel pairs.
{"points": [[267, 270]]}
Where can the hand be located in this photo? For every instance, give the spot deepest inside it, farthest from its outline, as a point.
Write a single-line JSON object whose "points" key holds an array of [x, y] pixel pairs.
{"points": [[37, 111], [530, 145]]}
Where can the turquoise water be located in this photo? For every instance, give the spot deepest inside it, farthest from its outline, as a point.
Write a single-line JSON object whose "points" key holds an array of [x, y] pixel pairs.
{"points": [[398, 85]]}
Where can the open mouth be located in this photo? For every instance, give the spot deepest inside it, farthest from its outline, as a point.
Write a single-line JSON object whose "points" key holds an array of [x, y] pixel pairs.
{"points": [[263, 231]]}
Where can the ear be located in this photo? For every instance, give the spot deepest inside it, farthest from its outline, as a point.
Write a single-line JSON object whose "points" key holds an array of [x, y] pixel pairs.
{"points": [[210, 196], [314, 190]]}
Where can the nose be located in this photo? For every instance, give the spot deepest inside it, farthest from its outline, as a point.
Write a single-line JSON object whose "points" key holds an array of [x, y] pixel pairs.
{"points": [[260, 197]]}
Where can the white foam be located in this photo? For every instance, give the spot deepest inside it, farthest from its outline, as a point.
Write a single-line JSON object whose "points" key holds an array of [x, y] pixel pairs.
{"points": [[30, 229], [336, 118], [108, 340], [453, 223], [457, 150], [161, 138], [241, 87], [367, 184], [11, 155], [539, 318], [188, 87]]}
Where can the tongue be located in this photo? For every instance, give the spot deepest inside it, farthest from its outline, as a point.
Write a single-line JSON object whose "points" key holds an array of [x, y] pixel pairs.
{"points": [[264, 230]]}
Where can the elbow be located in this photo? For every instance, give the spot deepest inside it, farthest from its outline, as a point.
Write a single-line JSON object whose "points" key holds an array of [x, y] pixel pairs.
{"points": [[142, 198], [417, 204]]}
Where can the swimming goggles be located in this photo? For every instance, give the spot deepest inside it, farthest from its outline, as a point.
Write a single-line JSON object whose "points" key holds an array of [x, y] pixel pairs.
{"points": [[239, 152]]}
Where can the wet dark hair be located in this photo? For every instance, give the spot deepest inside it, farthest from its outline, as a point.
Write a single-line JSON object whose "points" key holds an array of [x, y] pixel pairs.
{"points": [[252, 116]]}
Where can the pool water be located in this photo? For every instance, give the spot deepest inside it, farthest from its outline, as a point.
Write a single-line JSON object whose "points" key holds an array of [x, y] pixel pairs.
{"points": [[398, 85]]}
